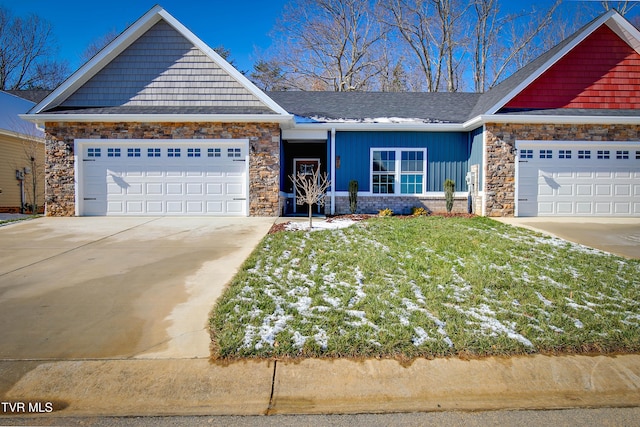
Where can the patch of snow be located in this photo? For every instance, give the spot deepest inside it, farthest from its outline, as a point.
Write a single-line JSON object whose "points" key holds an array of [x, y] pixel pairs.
{"points": [[385, 120], [543, 299], [321, 337], [488, 322], [320, 224], [298, 339], [421, 337]]}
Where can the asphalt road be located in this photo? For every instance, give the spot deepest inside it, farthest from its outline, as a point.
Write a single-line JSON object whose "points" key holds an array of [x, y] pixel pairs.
{"points": [[570, 417]]}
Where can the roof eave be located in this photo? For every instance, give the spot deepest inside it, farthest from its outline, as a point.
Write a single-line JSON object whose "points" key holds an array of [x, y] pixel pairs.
{"points": [[155, 118], [555, 119]]}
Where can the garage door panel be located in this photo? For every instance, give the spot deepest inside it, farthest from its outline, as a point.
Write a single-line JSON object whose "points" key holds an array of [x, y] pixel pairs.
{"points": [[565, 190], [174, 188], [214, 189], [584, 208], [584, 190], [195, 207], [602, 208], [234, 189], [622, 208], [622, 190], [585, 183], [234, 206], [154, 188], [135, 189], [194, 189], [135, 206], [116, 207], [162, 185], [154, 207]]}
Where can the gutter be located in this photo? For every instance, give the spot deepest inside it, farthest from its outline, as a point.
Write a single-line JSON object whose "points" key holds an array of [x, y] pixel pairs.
{"points": [[154, 118]]}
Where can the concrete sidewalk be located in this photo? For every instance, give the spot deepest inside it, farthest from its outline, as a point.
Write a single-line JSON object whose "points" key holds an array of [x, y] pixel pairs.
{"points": [[311, 386]]}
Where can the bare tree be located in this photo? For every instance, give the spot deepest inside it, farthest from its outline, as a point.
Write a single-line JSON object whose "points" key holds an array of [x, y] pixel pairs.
{"points": [[311, 189], [519, 34], [98, 44], [621, 6], [27, 53], [326, 44]]}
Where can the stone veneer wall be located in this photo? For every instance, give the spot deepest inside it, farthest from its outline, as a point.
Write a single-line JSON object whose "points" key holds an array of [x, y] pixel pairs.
{"points": [[264, 164], [500, 182], [398, 204]]}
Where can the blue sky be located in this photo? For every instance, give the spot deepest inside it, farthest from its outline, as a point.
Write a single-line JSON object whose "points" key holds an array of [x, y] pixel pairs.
{"points": [[242, 26]]}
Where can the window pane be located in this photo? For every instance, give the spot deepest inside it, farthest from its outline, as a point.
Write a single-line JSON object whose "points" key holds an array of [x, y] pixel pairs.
{"points": [[412, 161], [384, 161]]}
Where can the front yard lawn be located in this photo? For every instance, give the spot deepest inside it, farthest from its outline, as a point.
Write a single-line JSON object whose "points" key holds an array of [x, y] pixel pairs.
{"points": [[426, 287]]}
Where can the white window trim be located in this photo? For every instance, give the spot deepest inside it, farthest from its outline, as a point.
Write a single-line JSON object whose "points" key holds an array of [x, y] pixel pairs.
{"points": [[397, 173]]}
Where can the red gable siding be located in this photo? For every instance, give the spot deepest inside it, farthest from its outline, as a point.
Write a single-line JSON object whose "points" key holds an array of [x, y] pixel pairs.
{"points": [[601, 72]]}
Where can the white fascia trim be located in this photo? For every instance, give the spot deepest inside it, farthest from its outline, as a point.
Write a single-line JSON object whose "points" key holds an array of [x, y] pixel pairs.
{"points": [[154, 118], [587, 32], [625, 30], [538, 119]]}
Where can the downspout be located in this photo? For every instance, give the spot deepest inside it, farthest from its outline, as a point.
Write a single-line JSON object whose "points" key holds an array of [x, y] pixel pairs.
{"points": [[333, 171]]}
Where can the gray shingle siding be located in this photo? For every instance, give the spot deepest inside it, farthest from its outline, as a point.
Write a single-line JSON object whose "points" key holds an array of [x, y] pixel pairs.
{"points": [[162, 69]]}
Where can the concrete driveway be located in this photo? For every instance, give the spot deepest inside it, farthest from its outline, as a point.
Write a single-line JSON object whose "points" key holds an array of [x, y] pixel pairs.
{"points": [[620, 236], [116, 287]]}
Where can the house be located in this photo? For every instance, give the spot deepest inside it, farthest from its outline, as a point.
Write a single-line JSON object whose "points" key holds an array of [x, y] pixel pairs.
{"points": [[22, 164], [158, 124]]}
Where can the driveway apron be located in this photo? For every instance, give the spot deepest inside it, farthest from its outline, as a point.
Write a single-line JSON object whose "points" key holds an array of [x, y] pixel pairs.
{"points": [[620, 236], [116, 287]]}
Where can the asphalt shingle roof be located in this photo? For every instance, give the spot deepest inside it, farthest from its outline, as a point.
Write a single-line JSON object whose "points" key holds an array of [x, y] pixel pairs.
{"points": [[432, 107]]}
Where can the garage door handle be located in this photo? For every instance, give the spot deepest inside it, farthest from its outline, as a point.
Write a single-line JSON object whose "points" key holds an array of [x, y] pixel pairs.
{"points": [[89, 198], [239, 198], [523, 200], [89, 160], [238, 160]]}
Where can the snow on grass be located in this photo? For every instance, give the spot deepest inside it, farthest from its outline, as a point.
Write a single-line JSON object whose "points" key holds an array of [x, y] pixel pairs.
{"points": [[424, 287]]}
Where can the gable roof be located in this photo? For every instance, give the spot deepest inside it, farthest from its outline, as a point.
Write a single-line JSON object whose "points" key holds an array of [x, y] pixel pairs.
{"points": [[11, 107], [496, 98], [157, 68]]}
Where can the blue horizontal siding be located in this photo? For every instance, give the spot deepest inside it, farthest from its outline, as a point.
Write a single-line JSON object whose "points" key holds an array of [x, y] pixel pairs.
{"points": [[447, 156]]}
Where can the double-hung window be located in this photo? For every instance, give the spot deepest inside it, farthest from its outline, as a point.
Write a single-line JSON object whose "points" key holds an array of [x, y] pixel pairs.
{"points": [[397, 171]]}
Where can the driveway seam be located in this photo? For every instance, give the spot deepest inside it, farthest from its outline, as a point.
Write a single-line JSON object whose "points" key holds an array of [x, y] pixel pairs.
{"points": [[79, 247]]}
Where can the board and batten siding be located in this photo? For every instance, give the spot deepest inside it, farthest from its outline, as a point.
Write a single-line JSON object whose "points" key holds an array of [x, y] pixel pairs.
{"points": [[162, 69], [447, 156]]}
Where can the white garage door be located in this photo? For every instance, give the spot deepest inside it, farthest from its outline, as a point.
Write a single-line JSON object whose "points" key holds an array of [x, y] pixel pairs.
{"points": [[567, 179], [161, 177]]}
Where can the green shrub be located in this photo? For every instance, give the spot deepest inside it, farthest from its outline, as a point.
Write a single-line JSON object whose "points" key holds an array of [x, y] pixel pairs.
{"points": [[353, 196], [449, 191]]}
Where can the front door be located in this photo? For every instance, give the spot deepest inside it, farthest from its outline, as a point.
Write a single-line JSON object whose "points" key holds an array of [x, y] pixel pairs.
{"points": [[304, 167]]}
